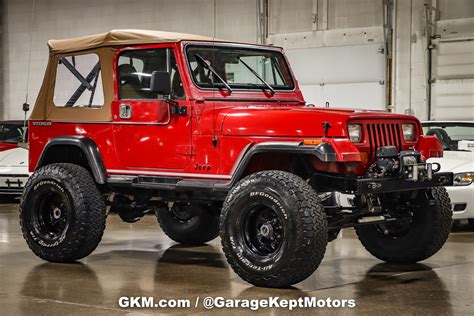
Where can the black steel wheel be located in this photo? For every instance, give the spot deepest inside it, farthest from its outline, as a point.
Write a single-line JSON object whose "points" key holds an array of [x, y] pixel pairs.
{"points": [[262, 229], [50, 219]]}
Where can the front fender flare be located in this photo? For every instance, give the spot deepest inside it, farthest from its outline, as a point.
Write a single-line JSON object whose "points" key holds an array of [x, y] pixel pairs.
{"points": [[330, 150]]}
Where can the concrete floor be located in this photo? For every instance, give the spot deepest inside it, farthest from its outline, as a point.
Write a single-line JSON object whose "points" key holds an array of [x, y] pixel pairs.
{"points": [[139, 260]]}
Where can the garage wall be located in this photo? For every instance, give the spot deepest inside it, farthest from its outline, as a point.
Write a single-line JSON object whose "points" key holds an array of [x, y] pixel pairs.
{"points": [[2, 47], [452, 79], [328, 42], [416, 66], [313, 30], [335, 48], [235, 20]]}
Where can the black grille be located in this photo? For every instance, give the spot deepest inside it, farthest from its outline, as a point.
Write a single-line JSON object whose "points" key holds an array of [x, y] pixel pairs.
{"points": [[384, 134]]}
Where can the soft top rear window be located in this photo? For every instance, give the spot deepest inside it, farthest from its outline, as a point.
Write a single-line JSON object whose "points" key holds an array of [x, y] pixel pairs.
{"points": [[240, 67]]}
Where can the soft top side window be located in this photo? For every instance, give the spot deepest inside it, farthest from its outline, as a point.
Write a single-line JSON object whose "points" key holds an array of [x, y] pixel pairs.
{"points": [[79, 82], [134, 71]]}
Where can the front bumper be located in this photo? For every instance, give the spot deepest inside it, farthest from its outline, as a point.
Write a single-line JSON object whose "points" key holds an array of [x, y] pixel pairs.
{"points": [[367, 185]]}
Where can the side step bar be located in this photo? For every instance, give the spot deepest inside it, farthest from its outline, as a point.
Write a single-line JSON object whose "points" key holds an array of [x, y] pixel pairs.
{"points": [[167, 183]]}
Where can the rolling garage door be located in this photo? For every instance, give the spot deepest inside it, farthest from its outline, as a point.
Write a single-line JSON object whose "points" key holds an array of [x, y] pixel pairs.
{"points": [[452, 77], [345, 76], [334, 47]]}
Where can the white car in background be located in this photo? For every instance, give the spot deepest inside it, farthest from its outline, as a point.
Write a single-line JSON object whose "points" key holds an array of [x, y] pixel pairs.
{"points": [[457, 139], [13, 171], [13, 159]]}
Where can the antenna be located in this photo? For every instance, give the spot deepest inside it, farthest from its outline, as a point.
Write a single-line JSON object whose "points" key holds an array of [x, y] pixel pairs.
{"points": [[26, 106], [214, 137]]}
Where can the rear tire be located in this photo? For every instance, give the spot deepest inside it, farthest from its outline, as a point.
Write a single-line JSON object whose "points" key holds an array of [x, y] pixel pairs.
{"points": [[62, 213], [189, 224], [428, 231], [273, 229]]}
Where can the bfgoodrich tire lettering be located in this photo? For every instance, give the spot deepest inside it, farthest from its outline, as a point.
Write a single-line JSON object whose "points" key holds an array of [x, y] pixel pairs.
{"points": [[62, 213], [273, 229], [427, 233]]}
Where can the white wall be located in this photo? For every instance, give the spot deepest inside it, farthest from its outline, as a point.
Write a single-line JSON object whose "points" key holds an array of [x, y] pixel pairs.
{"points": [[451, 20], [345, 25], [1, 57], [235, 20], [334, 48]]}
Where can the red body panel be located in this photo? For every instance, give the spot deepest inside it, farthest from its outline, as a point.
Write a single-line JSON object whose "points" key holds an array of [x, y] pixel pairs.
{"points": [[155, 142]]}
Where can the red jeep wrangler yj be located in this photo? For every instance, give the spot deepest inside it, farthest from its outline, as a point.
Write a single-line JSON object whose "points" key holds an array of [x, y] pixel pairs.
{"points": [[216, 138]]}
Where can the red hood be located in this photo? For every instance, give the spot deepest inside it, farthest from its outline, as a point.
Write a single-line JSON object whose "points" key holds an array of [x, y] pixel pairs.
{"points": [[294, 121]]}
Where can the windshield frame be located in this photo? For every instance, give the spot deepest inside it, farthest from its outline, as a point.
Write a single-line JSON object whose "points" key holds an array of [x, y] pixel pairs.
{"points": [[277, 50]]}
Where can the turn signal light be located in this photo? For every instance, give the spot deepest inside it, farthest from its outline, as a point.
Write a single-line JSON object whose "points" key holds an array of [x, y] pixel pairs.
{"points": [[364, 158], [312, 142]]}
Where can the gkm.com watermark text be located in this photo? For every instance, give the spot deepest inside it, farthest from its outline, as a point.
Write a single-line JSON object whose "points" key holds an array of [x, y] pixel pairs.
{"points": [[219, 302]]}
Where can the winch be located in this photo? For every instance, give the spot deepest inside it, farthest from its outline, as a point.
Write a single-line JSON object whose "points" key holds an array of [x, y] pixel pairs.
{"points": [[407, 164]]}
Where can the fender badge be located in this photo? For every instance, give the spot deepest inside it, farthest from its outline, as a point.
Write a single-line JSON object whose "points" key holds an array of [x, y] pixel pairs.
{"points": [[42, 123]]}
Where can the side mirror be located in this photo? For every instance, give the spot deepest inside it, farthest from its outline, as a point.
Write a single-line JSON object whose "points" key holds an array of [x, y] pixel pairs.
{"points": [[160, 82]]}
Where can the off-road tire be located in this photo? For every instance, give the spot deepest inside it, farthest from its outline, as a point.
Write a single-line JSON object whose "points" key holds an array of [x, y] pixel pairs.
{"points": [[85, 219], [199, 229], [301, 216], [429, 230]]}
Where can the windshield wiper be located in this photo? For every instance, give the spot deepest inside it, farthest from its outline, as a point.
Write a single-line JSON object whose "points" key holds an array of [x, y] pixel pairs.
{"points": [[258, 76], [214, 72]]}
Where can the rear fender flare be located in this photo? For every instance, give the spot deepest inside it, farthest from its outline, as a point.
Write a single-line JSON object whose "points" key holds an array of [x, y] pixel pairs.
{"points": [[88, 147]]}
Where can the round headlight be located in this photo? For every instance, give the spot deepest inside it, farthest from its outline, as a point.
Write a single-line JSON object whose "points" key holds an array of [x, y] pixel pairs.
{"points": [[465, 178], [355, 132], [408, 131]]}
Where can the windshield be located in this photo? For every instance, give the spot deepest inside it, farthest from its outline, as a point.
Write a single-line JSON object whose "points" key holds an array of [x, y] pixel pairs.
{"points": [[453, 136], [239, 67]]}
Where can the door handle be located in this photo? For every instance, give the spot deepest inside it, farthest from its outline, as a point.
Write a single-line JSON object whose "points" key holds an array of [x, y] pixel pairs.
{"points": [[125, 111]]}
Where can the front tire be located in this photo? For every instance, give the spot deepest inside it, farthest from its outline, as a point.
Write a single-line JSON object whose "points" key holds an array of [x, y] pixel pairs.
{"points": [[426, 233], [62, 213], [273, 229]]}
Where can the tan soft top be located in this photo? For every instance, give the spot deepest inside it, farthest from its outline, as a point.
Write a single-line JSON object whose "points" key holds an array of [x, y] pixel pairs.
{"points": [[120, 37]]}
